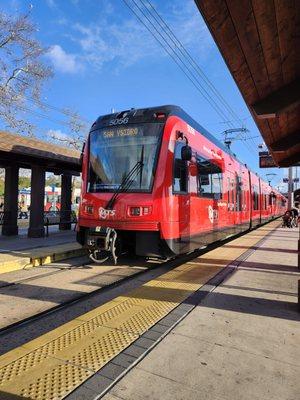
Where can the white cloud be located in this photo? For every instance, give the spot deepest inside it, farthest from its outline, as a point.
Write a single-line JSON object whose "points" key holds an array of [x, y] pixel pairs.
{"points": [[51, 3], [63, 61], [57, 134], [121, 42]]}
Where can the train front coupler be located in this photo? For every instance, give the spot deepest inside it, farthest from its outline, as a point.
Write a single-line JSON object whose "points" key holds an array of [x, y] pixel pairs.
{"points": [[101, 243]]}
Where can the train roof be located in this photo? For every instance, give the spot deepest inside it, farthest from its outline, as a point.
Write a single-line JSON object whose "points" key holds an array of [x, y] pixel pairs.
{"points": [[147, 115], [142, 115]]}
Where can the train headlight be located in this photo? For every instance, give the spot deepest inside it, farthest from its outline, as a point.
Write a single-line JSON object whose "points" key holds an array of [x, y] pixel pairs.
{"points": [[135, 211], [146, 210], [89, 209], [139, 211]]}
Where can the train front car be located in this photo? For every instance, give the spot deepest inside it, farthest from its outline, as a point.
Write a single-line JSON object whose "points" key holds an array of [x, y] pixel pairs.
{"points": [[157, 184], [123, 184]]}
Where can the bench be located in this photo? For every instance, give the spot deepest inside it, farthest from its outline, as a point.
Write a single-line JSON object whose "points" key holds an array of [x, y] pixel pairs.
{"points": [[4, 216], [58, 218]]}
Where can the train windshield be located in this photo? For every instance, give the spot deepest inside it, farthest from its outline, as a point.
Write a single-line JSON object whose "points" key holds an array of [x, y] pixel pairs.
{"points": [[115, 150]]}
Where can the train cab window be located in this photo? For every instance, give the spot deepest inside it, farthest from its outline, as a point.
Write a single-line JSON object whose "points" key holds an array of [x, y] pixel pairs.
{"points": [[209, 179], [180, 170]]}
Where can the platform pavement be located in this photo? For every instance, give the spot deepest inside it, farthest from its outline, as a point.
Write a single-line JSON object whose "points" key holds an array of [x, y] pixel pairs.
{"points": [[241, 342], [20, 252]]}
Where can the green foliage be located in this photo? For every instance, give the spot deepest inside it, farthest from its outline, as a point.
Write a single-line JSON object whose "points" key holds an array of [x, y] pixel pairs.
{"points": [[24, 182], [53, 181], [1, 187]]}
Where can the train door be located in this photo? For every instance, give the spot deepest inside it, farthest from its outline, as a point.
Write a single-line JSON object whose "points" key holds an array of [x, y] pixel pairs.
{"points": [[181, 192], [260, 200], [231, 195], [238, 200], [250, 199]]}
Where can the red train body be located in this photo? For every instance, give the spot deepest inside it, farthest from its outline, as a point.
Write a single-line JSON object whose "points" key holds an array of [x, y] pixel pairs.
{"points": [[157, 184]]}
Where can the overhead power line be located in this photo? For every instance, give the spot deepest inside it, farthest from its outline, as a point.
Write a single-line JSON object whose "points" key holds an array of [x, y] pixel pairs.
{"points": [[177, 59], [159, 29], [186, 54]]}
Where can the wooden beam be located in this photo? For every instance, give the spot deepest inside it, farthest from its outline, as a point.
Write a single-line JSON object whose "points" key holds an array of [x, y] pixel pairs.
{"points": [[286, 142], [279, 101], [293, 160]]}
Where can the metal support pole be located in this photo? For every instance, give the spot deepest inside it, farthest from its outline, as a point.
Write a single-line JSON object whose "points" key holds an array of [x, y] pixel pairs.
{"points": [[290, 188], [10, 223]]}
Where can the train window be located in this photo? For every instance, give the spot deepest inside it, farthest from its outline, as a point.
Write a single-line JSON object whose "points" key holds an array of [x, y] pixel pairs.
{"points": [[239, 194], [270, 199], [209, 179], [255, 198], [179, 171]]}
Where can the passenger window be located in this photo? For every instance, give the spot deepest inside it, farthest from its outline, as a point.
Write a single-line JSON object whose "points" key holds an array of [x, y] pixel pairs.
{"points": [[179, 171], [255, 197], [239, 194], [209, 179], [270, 199]]}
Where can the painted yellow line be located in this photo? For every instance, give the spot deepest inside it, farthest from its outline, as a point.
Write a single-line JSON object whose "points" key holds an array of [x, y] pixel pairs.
{"points": [[54, 364]]}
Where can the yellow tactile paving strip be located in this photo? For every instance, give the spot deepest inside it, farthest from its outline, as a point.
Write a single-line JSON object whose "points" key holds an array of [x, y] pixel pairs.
{"points": [[54, 364], [17, 260]]}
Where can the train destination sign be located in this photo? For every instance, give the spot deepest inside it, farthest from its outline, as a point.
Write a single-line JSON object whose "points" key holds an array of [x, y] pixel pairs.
{"points": [[266, 161], [119, 132]]}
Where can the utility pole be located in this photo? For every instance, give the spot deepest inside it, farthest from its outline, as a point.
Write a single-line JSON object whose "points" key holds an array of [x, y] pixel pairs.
{"points": [[290, 188]]}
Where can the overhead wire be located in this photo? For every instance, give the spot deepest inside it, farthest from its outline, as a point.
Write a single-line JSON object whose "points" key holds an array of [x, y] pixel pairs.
{"points": [[39, 115], [196, 66], [175, 58], [183, 50], [185, 54]]}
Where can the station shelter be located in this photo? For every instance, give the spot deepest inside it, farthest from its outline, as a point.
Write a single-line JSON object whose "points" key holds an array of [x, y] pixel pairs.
{"points": [[40, 157]]}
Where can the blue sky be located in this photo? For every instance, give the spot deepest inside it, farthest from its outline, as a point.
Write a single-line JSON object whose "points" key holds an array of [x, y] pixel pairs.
{"points": [[104, 58]]}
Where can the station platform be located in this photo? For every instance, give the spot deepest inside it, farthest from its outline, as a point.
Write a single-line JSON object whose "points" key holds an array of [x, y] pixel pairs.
{"points": [[223, 325], [19, 252]]}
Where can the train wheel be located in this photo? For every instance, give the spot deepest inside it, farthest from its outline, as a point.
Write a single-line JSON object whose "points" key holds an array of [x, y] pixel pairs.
{"points": [[98, 256]]}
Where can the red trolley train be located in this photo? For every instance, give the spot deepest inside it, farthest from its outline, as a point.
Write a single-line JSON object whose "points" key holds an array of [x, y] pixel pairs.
{"points": [[157, 184]]}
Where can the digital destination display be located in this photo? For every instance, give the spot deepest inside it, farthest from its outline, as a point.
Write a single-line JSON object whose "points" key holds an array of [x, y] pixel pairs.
{"points": [[120, 132], [266, 162]]}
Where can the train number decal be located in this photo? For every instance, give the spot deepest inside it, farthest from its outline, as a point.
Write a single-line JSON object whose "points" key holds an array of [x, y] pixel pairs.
{"points": [[118, 121], [212, 214]]}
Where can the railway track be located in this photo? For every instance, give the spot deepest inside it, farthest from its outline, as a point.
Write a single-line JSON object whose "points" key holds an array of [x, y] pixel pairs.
{"points": [[131, 316], [16, 333]]}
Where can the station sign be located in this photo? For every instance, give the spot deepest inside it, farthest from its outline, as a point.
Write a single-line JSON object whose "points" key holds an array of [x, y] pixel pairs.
{"points": [[286, 180], [266, 160]]}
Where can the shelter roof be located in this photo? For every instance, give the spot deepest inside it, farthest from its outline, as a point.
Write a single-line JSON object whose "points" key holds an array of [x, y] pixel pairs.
{"points": [[26, 151], [260, 43]]}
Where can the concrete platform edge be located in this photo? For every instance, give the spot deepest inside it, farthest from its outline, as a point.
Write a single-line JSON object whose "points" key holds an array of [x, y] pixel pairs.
{"points": [[39, 260]]}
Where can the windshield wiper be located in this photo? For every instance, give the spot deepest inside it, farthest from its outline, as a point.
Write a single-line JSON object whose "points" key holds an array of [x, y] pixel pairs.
{"points": [[127, 180]]}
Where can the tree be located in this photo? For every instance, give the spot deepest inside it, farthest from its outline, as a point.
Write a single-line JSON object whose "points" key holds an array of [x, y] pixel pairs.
{"points": [[22, 75], [77, 132], [22, 71]]}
